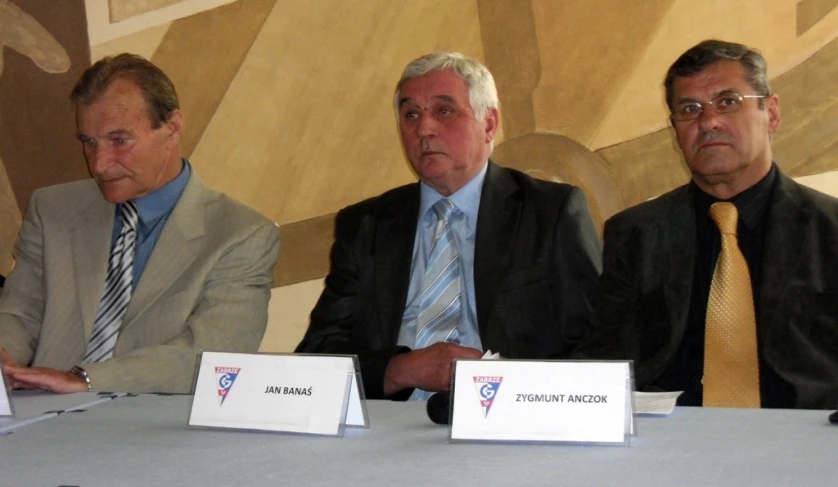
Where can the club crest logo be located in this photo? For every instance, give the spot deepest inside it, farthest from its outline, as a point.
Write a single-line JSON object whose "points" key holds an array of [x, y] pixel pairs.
{"points": [[224, 379], [487, 388]]}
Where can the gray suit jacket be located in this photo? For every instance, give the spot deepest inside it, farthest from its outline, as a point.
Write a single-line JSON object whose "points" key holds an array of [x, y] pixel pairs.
{"points": [[647, 279], [205, 287], [536, 263]]}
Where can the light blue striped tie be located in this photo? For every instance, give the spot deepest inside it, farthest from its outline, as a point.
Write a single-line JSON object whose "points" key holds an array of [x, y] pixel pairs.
{"points": [[439, 305], [118, 286]]}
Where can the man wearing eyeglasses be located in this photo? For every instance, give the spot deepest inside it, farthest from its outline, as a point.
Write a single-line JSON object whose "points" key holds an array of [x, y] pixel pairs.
{"points": [[727, 287]]}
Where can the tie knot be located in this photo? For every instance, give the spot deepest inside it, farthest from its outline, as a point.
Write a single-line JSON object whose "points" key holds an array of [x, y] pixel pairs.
{"points": [[130, 215], [444, 208], [726, 217]]}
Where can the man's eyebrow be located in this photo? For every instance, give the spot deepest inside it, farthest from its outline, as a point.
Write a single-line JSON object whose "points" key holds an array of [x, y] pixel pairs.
{"points": [[726, 91], [445, 98], [81, 135]]}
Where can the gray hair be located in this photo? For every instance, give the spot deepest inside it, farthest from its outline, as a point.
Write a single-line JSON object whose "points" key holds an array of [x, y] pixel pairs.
{"points": [[711, 51], [482, 93], [158, 90]]}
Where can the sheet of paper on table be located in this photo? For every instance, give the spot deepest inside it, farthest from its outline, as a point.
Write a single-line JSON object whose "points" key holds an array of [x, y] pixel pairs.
{"points": [[5, 403], [655, 403]]}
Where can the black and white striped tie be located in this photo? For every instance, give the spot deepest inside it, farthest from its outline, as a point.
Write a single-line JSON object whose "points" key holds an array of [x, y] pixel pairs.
{"points": [[118, 287]]}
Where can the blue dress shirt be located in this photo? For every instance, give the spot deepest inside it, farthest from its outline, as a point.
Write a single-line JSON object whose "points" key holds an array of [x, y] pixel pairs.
{"points": [[154, 209], [464, 226]]}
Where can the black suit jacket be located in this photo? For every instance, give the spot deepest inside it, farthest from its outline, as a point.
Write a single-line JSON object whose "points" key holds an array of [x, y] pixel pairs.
{"points": [[644, 296], [536, 262]]}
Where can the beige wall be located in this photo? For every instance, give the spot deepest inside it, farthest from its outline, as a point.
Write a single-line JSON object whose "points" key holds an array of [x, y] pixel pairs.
{"points": [[824, 182], [288, 315]]}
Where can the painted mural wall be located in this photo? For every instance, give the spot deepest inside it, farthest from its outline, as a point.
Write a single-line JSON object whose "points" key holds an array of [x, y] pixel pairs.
{"points": [[288, 103]]}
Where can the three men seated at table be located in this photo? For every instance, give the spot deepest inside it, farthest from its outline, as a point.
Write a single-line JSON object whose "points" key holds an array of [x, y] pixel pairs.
{"points": [[725, 287], [121, 280]]}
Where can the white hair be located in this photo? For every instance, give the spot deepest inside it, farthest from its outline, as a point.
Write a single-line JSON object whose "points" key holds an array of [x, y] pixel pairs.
{"points": [[482, 93]]}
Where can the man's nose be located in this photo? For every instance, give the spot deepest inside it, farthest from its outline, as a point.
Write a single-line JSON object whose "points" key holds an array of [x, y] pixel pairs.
{"points": [[427, 126], [709, 118], [99, 159]]}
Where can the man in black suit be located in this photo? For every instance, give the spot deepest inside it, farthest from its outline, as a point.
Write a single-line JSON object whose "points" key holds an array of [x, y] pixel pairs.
{"points": [[527, 253], [660, 256]]}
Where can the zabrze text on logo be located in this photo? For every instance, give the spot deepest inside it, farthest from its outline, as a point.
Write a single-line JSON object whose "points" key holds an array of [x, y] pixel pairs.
{"points": [[487, 389], [224, 379]]}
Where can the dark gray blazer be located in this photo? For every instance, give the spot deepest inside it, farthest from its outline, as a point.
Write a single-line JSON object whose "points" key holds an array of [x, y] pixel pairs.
{"points": [[536, 263], [645, 288]]}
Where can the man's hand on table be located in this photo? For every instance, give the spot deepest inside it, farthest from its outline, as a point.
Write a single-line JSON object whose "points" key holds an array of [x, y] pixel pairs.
{"points": [[44, 378], [427, 368]]}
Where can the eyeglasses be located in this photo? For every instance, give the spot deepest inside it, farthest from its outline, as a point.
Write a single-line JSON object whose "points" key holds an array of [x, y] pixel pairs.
{"points": [[724, 103]]}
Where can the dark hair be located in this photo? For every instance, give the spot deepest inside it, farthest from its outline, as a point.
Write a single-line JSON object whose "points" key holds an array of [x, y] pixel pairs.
{"points": [[158, 90], [711, 51]]}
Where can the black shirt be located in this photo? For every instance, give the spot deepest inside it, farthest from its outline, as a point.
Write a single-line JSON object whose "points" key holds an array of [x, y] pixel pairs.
{"points": [[686, 370]]}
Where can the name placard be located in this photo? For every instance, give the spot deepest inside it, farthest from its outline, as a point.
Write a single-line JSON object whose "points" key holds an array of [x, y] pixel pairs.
{"points": [[307, 394], [5, 402], [542, 401]]}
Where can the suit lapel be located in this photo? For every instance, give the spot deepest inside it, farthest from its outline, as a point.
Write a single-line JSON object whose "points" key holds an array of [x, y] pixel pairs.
{"points": [[395, 233], [676, 229], [785, 239], [172, 253], [497, 229], [90, 237]]}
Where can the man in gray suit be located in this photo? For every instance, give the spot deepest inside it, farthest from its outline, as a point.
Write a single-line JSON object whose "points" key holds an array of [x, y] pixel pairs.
{"points": [[123, 279], [522, 255], [660, 257]]}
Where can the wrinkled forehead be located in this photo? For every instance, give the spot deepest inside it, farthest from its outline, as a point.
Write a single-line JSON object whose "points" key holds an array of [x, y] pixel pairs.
{"points": [[442, 85], [718, 78], [118, 107]]}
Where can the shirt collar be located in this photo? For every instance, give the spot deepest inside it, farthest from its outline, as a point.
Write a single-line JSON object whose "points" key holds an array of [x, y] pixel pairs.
{"points": [[751, 203], [466, 199], [161, 201]]}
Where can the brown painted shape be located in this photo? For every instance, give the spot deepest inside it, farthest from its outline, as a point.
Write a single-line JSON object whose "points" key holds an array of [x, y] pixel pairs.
{"points": [[37, 123], [304, 251], [588, 52], [807, 142], [557, 158], [203, 53], [810, 12], [646, 166], [21, 32], [552, 75], [511, 53], [125, 9]]}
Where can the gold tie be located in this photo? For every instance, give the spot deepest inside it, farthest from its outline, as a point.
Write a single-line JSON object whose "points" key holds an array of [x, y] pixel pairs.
{"points": [[731, 369]]}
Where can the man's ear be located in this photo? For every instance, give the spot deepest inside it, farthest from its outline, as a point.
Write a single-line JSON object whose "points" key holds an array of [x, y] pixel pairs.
{"points": [[492, 121], [174, 126], [772, 106]]}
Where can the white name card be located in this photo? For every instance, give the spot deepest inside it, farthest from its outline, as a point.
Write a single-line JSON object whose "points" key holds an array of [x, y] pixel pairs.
{"points": [[5, 402], [542, 401], [307, 394]]}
